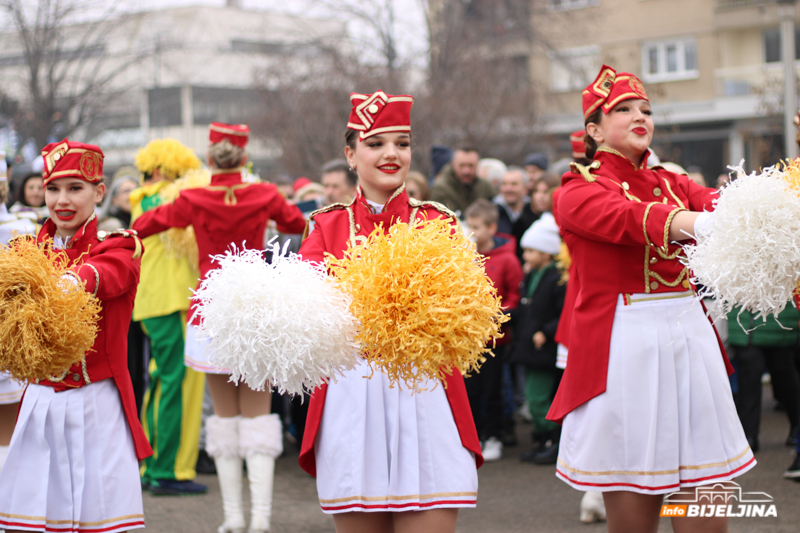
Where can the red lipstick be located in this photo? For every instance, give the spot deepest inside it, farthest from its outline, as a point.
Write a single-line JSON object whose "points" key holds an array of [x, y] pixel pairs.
{"points": [[389, 169], [65, 216], [640, 131]]}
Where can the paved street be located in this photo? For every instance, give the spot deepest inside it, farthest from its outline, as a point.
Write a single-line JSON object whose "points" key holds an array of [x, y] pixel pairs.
{"points": [[514, 497]]}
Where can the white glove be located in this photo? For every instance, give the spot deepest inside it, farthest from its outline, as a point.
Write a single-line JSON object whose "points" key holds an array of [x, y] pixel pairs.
{"points": [[704, 225], [68, 282]]}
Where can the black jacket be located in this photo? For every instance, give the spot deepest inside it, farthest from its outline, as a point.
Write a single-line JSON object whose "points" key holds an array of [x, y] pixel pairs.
{"points": [[539, 313], [517, 228]]}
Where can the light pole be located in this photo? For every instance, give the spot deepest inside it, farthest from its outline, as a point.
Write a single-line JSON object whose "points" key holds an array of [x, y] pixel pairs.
{"points": [[786, 14]]}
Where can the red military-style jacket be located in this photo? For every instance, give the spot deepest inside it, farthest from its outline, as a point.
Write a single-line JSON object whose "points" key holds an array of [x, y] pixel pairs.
{"points": [[615, 217], [564, 323], [226, 212], [108, 263], [335, 228]]}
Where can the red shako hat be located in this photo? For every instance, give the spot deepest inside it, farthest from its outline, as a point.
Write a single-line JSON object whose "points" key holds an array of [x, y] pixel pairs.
{"points": [[67, 159], [609, 89], [578, 146], [237, 134], [376, 113]]}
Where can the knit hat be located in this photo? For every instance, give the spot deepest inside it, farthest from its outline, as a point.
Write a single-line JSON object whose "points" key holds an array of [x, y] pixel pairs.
{"points": [[543, 236], [538, 159]]}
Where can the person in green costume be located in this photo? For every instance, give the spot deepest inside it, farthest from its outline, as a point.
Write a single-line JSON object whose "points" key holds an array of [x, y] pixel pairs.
{"points": [[172, 408]]}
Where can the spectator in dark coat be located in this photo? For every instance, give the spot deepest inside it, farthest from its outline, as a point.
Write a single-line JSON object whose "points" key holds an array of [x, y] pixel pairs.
{"points": [[535, 325], [514, 207], [458, 184], [503, 269]]}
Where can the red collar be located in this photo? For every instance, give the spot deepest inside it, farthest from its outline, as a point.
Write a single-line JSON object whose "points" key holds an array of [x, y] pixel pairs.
{"points": [[612, 158], [226, 177], [397, 202], [86, 232]]}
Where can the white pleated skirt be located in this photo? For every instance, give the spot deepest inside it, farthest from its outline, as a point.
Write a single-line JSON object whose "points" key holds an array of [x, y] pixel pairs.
{"points": [[197, 353], [667, 419], [384, 449], [10, 389], [71, 464]]}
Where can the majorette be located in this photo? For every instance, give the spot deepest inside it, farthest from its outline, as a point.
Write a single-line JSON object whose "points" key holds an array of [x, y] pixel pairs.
{"points": [[369, 445], [78, 439], [231, 212], [645, 400]]}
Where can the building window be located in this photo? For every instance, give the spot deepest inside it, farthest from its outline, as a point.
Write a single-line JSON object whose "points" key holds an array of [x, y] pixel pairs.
{"points": [[670, 60], [772, 44], [566, 5], [574, 68]]}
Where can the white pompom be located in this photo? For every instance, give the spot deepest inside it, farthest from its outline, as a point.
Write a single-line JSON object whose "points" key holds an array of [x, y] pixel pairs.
{"points": [[285, 322], [751, 256]]}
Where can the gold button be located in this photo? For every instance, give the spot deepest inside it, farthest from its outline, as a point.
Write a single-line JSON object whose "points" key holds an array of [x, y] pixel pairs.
{"points": [[102, 235], [657, 191], [57, 156], [373, 108], [76, 377], [685, 284], [358, 227], [653, 285], [653, 260], [625, 185]]}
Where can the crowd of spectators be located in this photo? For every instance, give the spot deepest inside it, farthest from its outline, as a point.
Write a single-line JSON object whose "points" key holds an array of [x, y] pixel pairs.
{"points": [[506, 210]]}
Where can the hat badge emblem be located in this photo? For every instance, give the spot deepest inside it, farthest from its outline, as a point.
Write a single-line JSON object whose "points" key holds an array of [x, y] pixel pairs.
{"points": [[373, 108]]}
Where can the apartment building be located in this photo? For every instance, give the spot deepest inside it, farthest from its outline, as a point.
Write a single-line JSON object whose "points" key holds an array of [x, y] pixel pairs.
{"points": [[712, 69]]}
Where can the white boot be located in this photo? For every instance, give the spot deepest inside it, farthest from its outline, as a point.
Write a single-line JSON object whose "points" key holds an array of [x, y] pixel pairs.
{"points": [[593, 509], [261, 442], [222, 443], [3, 455]]}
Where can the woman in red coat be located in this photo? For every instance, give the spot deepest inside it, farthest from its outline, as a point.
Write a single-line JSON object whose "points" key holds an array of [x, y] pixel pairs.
{"points": [[73, 459], [379, 452], [645, 400]]}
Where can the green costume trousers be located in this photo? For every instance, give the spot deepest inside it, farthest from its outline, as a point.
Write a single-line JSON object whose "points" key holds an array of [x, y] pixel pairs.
{"points": [[539, 394], [173, 403]]}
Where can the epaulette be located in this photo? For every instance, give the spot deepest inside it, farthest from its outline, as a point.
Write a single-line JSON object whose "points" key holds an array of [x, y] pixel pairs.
{"points": [[19, 237], [102, 235], [584, 171], [661, 167], [331, 207], [436, 205], [326, 209]]}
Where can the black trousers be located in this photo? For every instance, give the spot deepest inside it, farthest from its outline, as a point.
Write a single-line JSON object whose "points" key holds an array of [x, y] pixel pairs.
{"points": [[137, 342], [484, 391], [752, 361]]}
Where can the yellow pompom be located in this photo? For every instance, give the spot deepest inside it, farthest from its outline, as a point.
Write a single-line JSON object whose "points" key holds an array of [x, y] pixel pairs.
{"points": [[791, 174], [181, 242], [169, 155], [47, 322], [424, 301]]}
